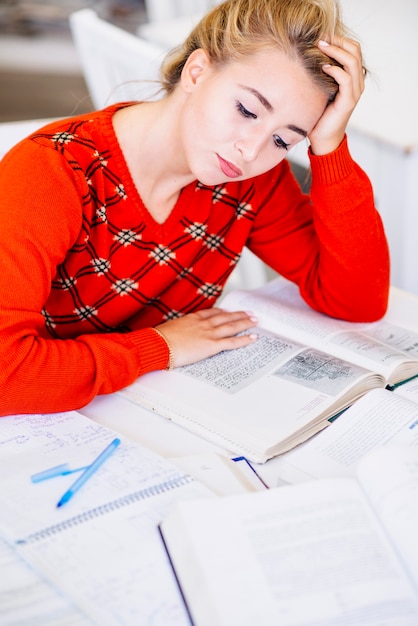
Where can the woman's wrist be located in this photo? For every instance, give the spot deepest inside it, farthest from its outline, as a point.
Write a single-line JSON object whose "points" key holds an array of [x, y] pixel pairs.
{"points": [[322, 148], [170, 364]]}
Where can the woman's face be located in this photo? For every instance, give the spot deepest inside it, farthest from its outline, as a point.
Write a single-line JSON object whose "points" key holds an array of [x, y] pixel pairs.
{"points": [[241, 119]]}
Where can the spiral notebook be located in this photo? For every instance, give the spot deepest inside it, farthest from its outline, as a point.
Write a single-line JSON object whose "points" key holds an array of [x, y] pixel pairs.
{"points": [[27, 599], [102, 549]]}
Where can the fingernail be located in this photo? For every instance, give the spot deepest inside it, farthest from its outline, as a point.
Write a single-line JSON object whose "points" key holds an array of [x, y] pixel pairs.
{"points": [[321, 42], [252, 317]]}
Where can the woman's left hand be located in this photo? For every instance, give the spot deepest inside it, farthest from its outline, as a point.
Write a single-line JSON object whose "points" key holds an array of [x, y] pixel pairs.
{"points": [[329, 131]]}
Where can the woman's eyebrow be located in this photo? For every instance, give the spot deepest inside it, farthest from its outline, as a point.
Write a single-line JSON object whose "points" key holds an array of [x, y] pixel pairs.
{"points": [[259, 96], [270, 108], [298, 130]]}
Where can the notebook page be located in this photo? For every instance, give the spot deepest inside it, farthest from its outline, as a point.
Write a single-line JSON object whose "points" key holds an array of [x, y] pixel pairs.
{"points": [[26, 598], [114, 567], [33, 443], [102, 549]]}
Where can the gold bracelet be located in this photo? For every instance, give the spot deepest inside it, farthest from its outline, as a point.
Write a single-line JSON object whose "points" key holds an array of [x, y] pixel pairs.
{"points": [[170, 365]]}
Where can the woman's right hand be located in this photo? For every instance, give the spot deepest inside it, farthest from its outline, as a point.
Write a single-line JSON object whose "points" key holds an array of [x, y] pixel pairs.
{"points": [[202, 334], [330, 129]]}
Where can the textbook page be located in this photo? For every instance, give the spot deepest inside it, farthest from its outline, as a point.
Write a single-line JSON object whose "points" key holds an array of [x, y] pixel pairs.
{"points": [[379, 418], [387, 346], [301, 555], [256, 401], [408, 390]]}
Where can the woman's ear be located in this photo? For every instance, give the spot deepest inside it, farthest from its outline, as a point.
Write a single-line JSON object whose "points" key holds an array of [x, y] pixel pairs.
{"points": [[195, 69]]}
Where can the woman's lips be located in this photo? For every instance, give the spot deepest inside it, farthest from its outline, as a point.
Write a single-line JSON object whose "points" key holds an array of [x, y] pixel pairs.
{"points": [[229, 169]]}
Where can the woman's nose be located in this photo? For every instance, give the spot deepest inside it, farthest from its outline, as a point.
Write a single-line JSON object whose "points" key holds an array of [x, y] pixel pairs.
{"points": [[251, 145]]}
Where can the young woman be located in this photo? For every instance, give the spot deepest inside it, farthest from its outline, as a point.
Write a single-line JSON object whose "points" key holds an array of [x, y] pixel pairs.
{"points": [[118, 229]]}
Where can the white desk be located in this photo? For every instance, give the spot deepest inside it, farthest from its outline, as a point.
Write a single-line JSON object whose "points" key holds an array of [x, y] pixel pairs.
{"points": [[383, 132]]}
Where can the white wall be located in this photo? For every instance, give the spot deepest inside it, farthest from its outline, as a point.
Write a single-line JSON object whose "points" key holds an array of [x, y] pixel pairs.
{"points": [[383, 131], [384, 126]]}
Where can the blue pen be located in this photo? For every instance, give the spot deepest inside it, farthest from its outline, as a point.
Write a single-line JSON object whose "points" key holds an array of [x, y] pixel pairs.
{"points": [[91, 469], [58, 470]]}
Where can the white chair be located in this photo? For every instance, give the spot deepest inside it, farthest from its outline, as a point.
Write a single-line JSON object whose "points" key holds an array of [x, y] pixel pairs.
{"points": [[170, 21], [12, 132], [119, 66]]}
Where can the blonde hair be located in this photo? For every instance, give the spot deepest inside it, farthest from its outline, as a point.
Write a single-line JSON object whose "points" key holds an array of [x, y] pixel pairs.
{"points": [[238, 28]]}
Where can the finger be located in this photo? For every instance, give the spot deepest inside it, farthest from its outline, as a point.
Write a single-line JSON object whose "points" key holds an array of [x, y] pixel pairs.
{"points": [[342, 48], [348, 56], [348, 92], [219, 317], [208, 313], [192, 339], [231, 328], [218, 312], [238, 341], [351, 45]]}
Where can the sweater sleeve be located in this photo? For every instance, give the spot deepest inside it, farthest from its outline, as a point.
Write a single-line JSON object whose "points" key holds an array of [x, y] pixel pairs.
{"points": [[332, 243], [39, 223]]}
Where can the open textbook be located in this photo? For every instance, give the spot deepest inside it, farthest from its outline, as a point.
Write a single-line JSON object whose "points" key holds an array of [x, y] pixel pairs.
{"points": [[380, 418], [324, 552], [304, 368], [99, 558]]}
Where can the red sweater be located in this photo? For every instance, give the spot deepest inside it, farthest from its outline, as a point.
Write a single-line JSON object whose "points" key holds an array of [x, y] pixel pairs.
{"points": [[85, 272]]}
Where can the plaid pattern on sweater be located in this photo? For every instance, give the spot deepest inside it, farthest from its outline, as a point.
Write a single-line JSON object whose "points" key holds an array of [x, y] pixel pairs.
{"points": [[123, 261], [82, 259]]}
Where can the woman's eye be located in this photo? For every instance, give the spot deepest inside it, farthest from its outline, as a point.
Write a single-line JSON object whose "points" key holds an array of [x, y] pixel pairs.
{"points": [[280, 143], [245, 112]]}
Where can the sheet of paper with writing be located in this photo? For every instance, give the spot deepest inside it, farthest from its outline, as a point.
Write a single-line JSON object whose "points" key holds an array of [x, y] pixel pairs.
{"points": [[102, 549], [378, 419], [26, 598]]}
